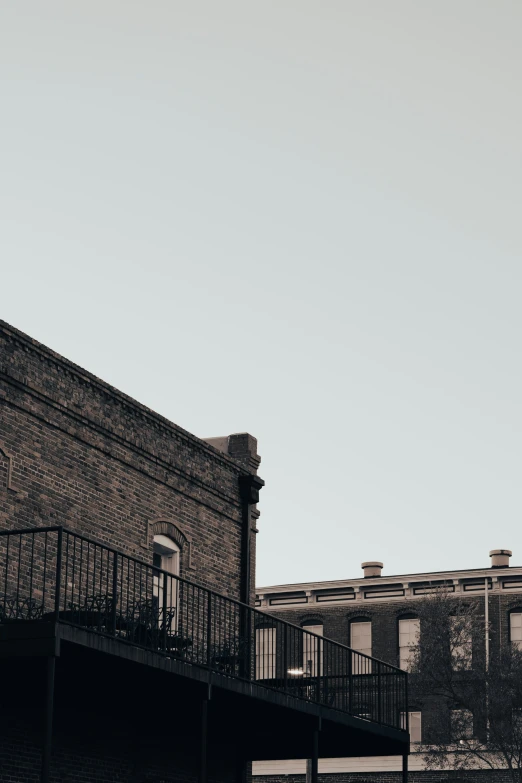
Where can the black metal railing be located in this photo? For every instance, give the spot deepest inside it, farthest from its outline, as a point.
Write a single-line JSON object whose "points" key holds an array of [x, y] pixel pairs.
{"points": [[52, 574]]}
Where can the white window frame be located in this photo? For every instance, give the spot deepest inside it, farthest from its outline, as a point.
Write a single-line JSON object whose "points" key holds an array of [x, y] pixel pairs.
{"points": [[361, 642], [169, 553], [415, 725], [515, 629], [408, 641], [266, 641], [312, 651]]}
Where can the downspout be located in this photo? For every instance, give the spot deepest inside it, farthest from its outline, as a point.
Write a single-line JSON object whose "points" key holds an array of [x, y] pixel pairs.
{"points": [[249, 487]]}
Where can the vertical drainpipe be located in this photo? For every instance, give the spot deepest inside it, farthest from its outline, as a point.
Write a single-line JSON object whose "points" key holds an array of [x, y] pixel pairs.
{"points": [[249, 487]]}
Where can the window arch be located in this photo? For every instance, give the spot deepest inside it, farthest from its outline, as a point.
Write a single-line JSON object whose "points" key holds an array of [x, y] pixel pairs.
{"points": [[178, 539]]}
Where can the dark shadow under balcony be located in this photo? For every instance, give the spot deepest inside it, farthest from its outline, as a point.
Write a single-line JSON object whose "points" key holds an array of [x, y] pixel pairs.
{"points": [[99, 611]]}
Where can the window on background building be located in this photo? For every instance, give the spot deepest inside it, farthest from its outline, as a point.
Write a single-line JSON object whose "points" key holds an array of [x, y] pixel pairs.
{"points": [[461, 725], [460, 643], [515, 629], [415, 725], [409, 631], [361, 640], [312, 650], [265, 653]]}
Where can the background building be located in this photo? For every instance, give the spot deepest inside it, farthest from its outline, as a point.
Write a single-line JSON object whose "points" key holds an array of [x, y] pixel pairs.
{"points": [[378, 615], [129, 646]]}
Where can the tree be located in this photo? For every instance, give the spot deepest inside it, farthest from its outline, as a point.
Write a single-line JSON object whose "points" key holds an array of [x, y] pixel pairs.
{"points": [[474, 705]]}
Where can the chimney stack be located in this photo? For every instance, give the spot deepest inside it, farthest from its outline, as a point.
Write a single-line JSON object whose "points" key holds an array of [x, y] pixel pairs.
{"points": [[372, 568], [500, 558]]}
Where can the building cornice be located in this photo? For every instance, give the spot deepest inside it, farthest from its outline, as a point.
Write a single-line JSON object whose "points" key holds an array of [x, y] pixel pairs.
{"points": [[139, 411]]}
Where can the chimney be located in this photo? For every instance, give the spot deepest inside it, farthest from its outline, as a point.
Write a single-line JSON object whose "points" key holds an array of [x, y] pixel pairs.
{"points": [[372, 568], [241, 447], [500, 558]]}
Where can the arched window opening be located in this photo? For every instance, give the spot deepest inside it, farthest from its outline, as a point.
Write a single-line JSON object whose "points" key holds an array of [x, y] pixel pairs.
{"points": [[165, 587]]}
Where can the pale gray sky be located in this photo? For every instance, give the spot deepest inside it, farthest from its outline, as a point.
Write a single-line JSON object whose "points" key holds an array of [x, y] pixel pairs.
{"points": [[297, 219]]}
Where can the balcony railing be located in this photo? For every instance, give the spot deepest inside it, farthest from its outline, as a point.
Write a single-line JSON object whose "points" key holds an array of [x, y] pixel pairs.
{"points": [[51, 574]]}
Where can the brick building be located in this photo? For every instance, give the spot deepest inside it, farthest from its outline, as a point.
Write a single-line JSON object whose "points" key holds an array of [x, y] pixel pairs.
{"points": [[129, 646], [377, 615]]}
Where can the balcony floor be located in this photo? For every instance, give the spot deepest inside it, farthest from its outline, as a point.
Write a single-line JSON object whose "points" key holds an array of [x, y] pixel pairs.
{"points": [[100, 673]]}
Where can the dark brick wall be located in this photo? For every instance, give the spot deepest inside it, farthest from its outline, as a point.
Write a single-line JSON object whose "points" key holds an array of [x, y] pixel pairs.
{"points": [[88, 457], [101, 753]]}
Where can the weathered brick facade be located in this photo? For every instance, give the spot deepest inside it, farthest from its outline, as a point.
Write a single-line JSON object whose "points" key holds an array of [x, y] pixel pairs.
{"points": [[76, 452]]}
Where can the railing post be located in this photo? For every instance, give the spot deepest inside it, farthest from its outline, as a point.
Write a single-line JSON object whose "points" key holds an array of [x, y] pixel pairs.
{"points": [[58, 584], [406, 706], [350, 682], [379, 693], [285, 658], [164, 609], [248, 645], [209, 627], [114, 592]]}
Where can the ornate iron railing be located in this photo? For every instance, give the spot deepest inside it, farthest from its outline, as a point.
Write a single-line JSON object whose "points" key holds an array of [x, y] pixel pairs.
{"points": [[52, 574]]}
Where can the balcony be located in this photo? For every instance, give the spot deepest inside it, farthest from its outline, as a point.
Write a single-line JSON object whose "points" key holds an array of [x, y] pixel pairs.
{"points": [[61, 593]]}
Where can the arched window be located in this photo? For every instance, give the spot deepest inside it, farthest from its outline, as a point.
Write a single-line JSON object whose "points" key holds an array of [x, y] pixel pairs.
{"points": [[165, 588], [408, 633], [361, 641]]}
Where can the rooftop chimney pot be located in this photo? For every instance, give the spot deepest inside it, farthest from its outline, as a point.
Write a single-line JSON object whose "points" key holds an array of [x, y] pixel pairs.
{"points": [[372, 568], [500, 558]]}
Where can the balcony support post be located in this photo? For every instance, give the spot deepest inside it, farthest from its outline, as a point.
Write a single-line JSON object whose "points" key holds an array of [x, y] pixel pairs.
{"points": [[48, 720], [202, 778], [315, 755], [405, 768]]}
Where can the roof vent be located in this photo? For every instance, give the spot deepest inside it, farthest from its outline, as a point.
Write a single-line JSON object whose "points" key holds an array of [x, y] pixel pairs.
{"points": [[500, 558], [372, 568]]}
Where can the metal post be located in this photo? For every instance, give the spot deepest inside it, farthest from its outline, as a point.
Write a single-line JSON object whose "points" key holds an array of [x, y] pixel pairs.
{"points": [[48, 721], [209, 628], [203, 743], [486, 624], [405, 768], [58, 584], [114, 592], [315, 756], [164, 611], [486, 619]]}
